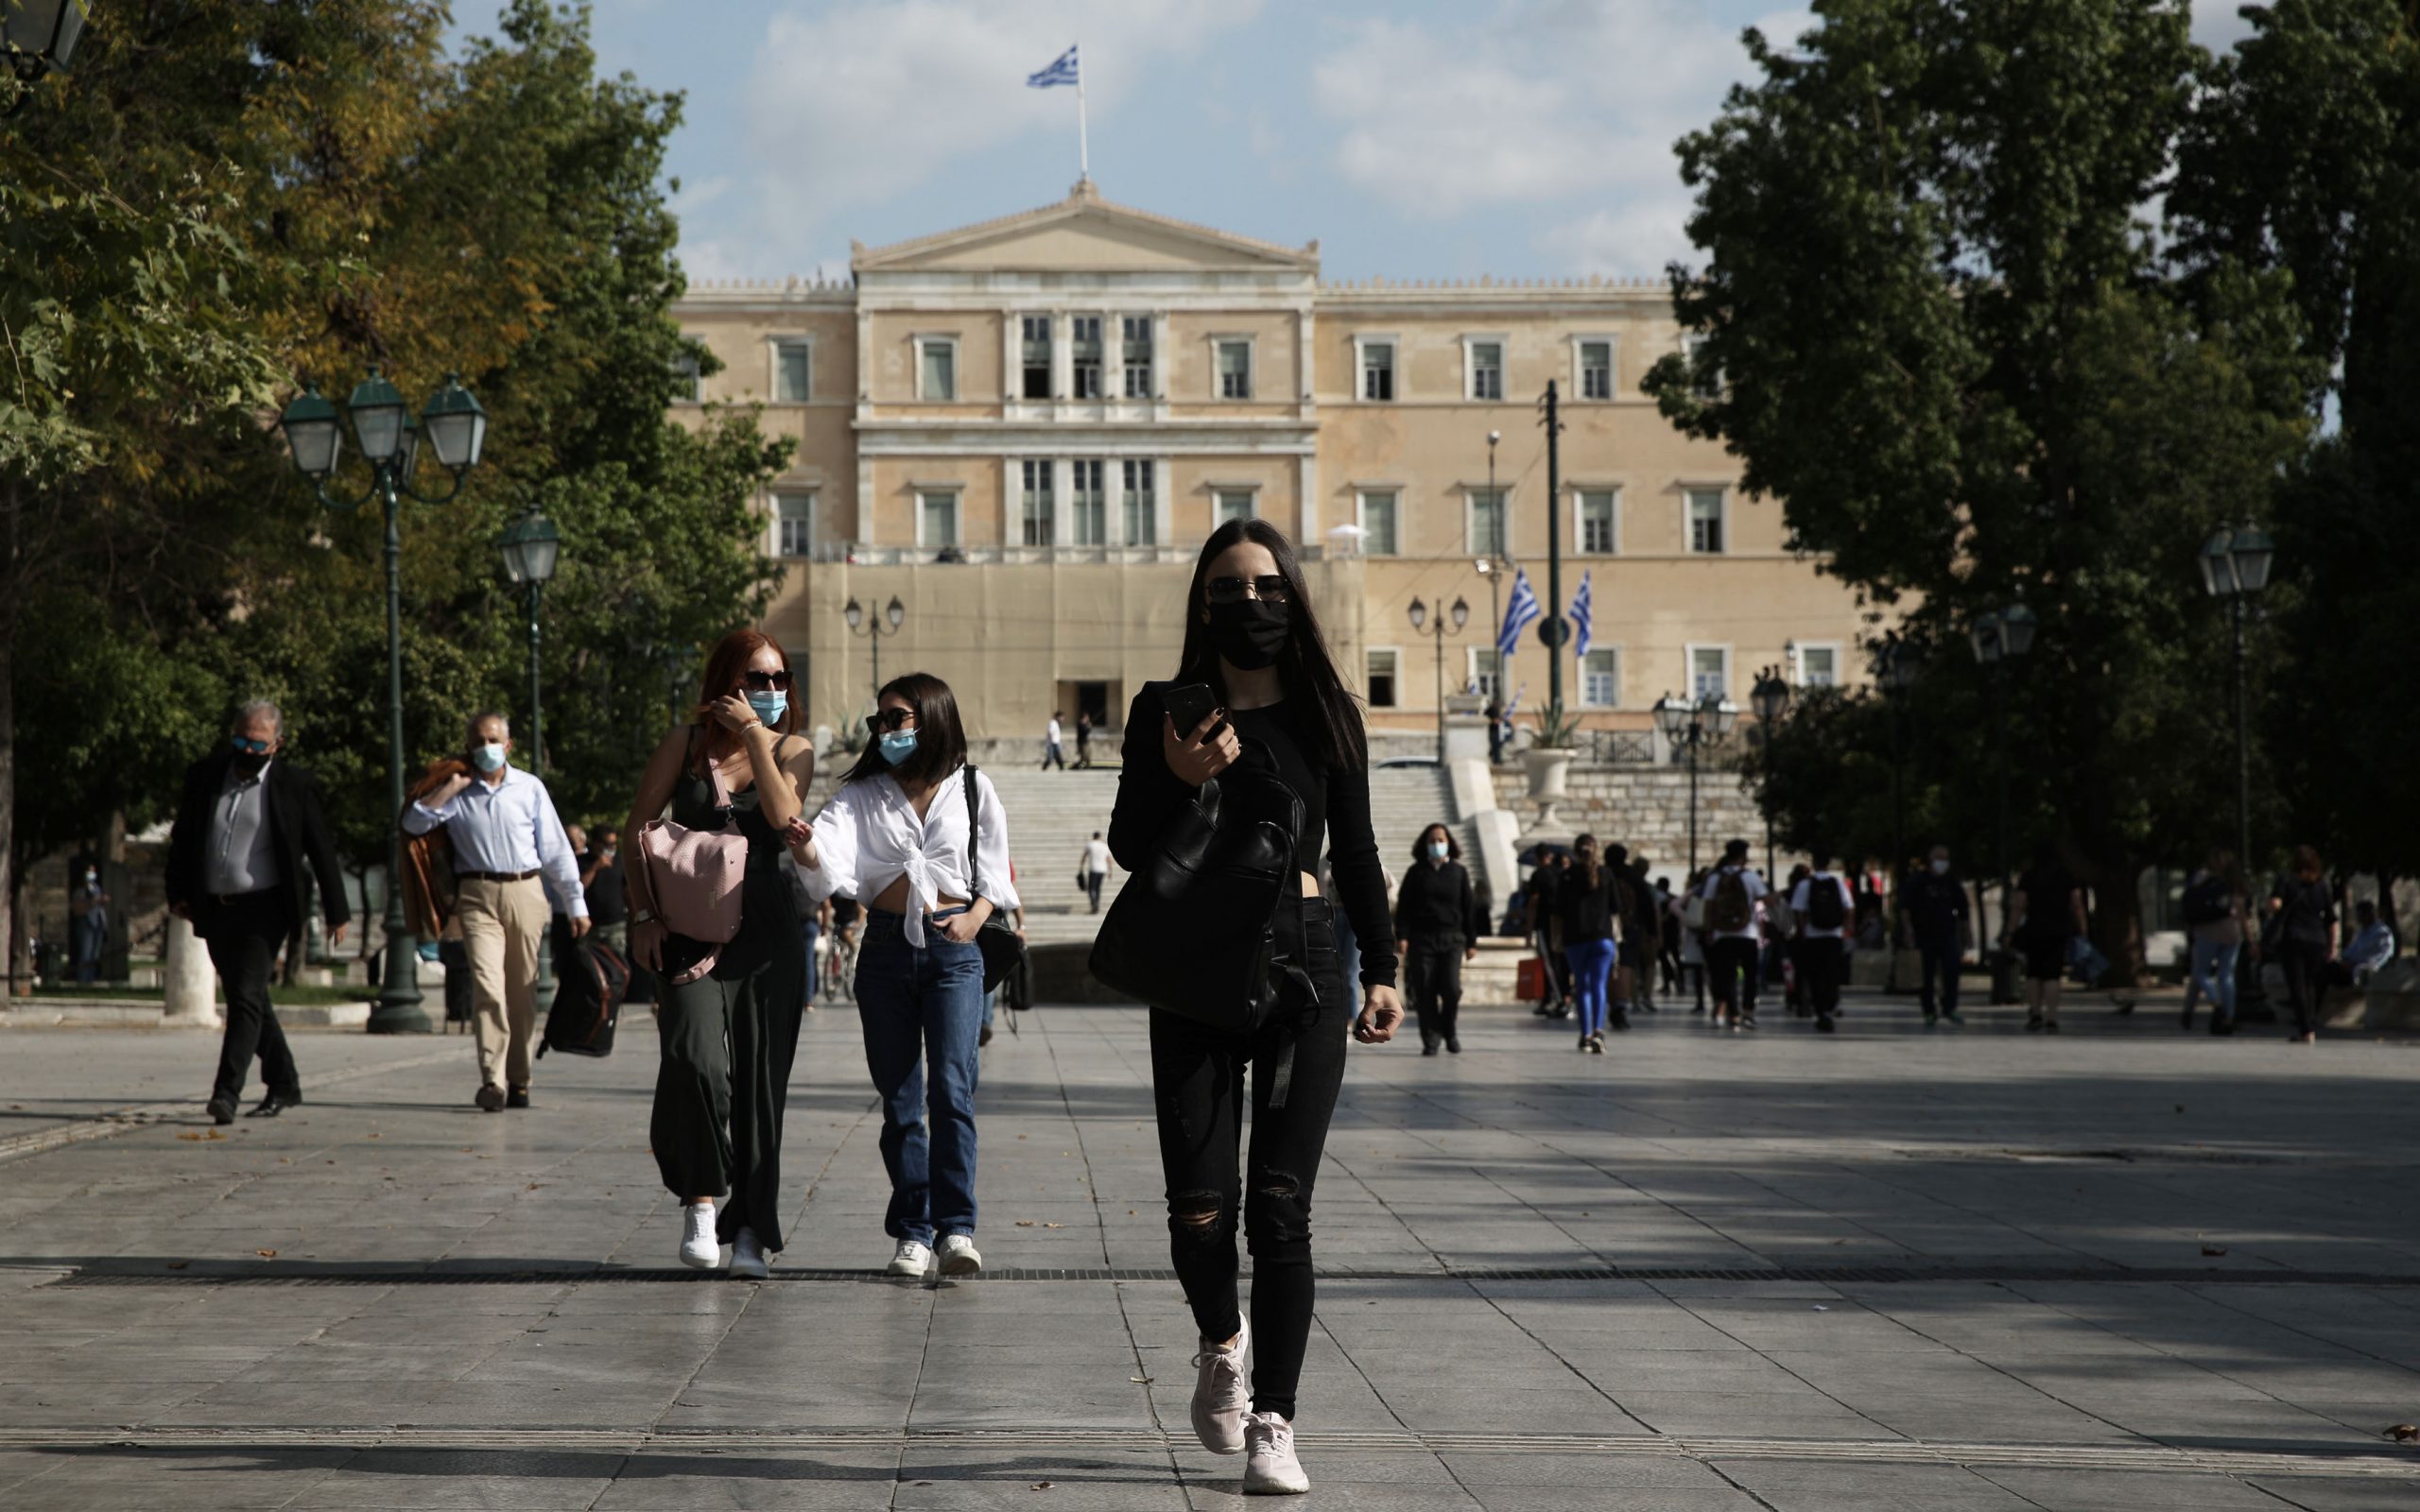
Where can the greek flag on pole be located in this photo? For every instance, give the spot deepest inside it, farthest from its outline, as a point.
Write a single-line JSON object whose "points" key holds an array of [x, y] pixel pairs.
{"points": [[1581, 604], [1062, 72], [1522, 612]]}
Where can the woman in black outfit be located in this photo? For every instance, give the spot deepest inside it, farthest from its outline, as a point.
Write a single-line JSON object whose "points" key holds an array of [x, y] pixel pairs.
{"points": [[2306, 936], [1437, 918], [2045, 919], [1250, 634]]}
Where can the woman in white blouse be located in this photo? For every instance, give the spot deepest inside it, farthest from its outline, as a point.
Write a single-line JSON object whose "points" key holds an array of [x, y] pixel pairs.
{"points": [[896, 837]]}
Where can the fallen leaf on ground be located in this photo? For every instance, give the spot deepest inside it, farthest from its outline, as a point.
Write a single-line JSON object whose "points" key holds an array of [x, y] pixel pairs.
{"points": [[1054, 1226], [2403, 1432], [178, 1264], [1140, 1380], [201, 1134], [1025, 1223], [1043, 1486], [2214, 1250], [266, 1254]]}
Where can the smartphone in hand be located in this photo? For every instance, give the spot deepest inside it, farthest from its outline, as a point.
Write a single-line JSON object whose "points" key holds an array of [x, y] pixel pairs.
{"points": [[1190, 704]]}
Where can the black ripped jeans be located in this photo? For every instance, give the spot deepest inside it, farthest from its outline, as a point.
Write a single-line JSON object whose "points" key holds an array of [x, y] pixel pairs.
{"points": [[1198, 1084]]}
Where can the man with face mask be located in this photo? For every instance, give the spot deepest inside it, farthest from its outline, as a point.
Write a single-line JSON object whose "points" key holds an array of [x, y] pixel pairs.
{"points": [[1935, 906], [248, 823], [505, 835]]}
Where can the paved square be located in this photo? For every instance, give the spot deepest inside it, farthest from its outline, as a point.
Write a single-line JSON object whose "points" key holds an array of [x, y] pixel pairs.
{"points": [[2125, 1268]]}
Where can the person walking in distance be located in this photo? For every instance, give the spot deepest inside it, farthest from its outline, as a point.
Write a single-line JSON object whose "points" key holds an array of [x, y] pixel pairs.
{"points": [[2305, 913], [1591, 911], [911, 830], [1251, 636], [2046, 915], [88, 923], [727, 1036], [506, 835], [1935, 909], [1437, 918], [1094, 869], [2214, 915], [1645, 939], [1543, 918], [607, 890], [1051, 755], [247, 825], [1821, 906], [1731, 895], [1083, 740]]}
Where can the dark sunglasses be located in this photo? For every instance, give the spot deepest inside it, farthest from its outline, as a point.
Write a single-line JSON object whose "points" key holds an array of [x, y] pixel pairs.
{"points": [[888, 719], [1268, 590], [249, 746], [767, 681]]}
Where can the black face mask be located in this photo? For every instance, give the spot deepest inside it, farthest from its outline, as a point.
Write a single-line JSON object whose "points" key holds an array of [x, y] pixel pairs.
{"points": [[1249, 633], [248, 762]]}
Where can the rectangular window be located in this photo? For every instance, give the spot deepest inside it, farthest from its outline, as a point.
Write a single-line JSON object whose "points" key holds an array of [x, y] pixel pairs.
{"points": [[1142, 501], [1705, 522], [1708, 380], [1138, 354], [1089, 503], [1034, 351], [789, 372], [1596, 369], [1600, 679], [1378, 524], [1487, 672], [1234, 370], [937, 373], [1381, 682], [1486, 534], [1086, 339], [1709, 671], [1596, 533], [794, 524], [1819, 666], [1232, 503], [937, 517], [1378, 371], [1039, 523], [688, 386], [1487, 369]]}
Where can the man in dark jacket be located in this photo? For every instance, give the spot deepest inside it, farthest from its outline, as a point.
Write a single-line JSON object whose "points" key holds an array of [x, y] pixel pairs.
{"points": [[1935, 909], [246, 828]]}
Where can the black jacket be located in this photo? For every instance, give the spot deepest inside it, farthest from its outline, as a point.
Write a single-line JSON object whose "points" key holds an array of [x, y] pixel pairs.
{"points": [[297, 832], [1436, 907], [1936, 904]]}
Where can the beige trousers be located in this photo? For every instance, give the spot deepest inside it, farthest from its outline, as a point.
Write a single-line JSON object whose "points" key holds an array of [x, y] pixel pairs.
{"points": [[504, 924]]}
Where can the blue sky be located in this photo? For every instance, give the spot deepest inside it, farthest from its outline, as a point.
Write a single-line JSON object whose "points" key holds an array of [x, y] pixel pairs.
{"points": [[1413, 139]]}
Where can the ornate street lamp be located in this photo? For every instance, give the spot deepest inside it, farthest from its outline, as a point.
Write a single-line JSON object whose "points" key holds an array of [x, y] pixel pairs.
{"points": [[1691, 727], [383, 432], [2235, 566], [1999, 637], [1895, 664], [1770, 697], [38, 36], [1460, 614], [897, 615], [529, 547]]}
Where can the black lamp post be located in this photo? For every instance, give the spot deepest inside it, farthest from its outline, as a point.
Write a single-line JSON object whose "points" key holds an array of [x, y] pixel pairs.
{"points": [[1692, 727], [1491, 565], [2235, 566], [859, 624], [1896, 664], [38, 36], [1460, 614], [1770, 698], [2000, 637], [528, 548], [457, 429]]}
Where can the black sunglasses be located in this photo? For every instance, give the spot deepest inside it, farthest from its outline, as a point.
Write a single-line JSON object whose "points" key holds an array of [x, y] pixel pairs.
{"points": [[889, 719], [246, 744], [1269, 589], [767, 681]]}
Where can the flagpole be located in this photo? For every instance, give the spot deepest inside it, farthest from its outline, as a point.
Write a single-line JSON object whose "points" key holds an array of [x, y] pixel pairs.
{"points": [[1084, 133]]}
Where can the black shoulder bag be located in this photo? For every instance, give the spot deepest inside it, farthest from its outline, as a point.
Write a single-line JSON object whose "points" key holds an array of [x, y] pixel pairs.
{"points": [[999, 944]]}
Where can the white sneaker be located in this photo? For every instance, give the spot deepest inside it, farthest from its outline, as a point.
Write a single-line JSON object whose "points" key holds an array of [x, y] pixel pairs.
{"points": [[960, 1257], [699, 1247], [911, 1259], [748, 1257], [1220, 1400], [1270, 1468]]}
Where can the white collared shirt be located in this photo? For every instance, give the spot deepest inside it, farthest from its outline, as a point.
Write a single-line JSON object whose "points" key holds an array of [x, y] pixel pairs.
{"points": [[510, 827], [1802, 903], [869, 835]]}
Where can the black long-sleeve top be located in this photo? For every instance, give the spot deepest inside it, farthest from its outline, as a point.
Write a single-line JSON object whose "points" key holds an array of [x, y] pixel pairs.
{"points": [[1336, 812], [1435, 906]]}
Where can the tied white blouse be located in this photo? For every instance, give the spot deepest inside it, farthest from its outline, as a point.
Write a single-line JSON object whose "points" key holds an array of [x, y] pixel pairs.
{"points": [[868, 833]]}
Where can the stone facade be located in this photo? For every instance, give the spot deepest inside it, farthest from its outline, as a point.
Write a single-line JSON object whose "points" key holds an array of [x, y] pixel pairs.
{"points": [[1647, 808]]}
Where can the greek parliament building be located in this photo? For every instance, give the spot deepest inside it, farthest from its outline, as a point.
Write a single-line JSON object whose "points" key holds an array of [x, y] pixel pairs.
{"points": [[1022, 431]]}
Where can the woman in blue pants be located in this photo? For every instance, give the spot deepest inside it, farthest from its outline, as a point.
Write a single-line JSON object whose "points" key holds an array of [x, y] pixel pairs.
{"points": [[1588, 898]]}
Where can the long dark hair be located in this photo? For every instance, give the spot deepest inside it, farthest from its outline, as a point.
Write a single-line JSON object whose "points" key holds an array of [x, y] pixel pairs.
{"points": [[1594, 867], [940, 737], [1309, 674], [725, 666], [1453, 847]]}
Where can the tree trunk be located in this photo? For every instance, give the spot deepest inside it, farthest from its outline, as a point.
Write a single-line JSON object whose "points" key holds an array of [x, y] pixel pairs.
{"points": [[12, 940]]}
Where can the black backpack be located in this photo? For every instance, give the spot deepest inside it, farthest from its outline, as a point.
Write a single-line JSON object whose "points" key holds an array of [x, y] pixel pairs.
{"points": [[1825, 908], [588, 1002], [2207, 901]]}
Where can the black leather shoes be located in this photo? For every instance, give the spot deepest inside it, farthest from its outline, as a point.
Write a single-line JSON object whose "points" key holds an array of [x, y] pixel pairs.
{"points": [[276, 1103], [517, 1097], [222, 1109]]}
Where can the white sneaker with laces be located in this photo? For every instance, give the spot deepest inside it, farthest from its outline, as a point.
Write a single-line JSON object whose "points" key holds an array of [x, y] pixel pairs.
{"points": [[1269, 1466], [748, 1257], [960, 1257], [701, 1250], [911, 1259], [1220, 1400]]}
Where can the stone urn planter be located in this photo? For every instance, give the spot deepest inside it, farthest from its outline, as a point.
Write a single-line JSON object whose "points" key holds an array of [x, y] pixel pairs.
{"points": [[1548, 767]]}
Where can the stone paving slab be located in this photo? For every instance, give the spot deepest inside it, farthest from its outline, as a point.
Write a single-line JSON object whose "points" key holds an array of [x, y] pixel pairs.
{"points": [[1883, 1269]]}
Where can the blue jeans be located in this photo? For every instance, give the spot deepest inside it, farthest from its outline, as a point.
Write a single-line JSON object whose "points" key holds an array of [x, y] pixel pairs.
{"points": [[923, 1008], [810, 931], [2220, 987], [1592, 962]]}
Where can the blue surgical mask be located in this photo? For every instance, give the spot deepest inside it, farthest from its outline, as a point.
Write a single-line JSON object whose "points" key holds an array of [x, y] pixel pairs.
{"points": [[487, 758], [1437, 850], [898, 745], [770, 707]]}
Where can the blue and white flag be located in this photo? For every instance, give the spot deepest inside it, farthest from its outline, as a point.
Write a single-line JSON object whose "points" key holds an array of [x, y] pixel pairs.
{"points": [[1580, 605], [1064, 71], [1519, 614]]}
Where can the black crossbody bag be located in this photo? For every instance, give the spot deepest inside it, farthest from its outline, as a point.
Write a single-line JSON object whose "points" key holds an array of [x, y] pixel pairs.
{"points": [[999, 944]]}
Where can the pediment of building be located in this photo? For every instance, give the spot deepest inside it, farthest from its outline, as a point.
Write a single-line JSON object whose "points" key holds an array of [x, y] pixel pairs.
{"points": [[1083, 233]]}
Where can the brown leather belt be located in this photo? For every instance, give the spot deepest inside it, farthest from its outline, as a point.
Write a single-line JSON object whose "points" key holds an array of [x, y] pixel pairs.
{"points": [[495, 876]]}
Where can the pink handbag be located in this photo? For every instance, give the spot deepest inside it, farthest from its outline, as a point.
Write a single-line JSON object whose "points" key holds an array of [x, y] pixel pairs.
{"points": [[694, 877]]}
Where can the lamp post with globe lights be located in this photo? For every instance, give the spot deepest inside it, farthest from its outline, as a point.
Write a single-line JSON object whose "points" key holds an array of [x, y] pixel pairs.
{"points": [[895, 614], [1770, 698], [1460, 614], [530, 548], [1693, 727], [2235, 566], [2001, 638]]}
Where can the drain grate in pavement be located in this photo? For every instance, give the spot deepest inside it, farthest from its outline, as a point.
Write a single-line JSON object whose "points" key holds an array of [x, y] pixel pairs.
{"points": [[202, 1273]]}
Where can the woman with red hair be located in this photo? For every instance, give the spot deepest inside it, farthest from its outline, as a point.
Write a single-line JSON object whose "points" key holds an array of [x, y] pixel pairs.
{"points": [[729, 1036]]}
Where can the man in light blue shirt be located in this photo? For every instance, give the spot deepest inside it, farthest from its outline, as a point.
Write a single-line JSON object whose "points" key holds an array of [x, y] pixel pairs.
{"points": [[506, 836]]}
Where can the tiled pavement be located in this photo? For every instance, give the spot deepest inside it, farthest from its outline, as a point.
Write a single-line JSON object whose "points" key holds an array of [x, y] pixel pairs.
{"points": [[1982, 1265]]}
